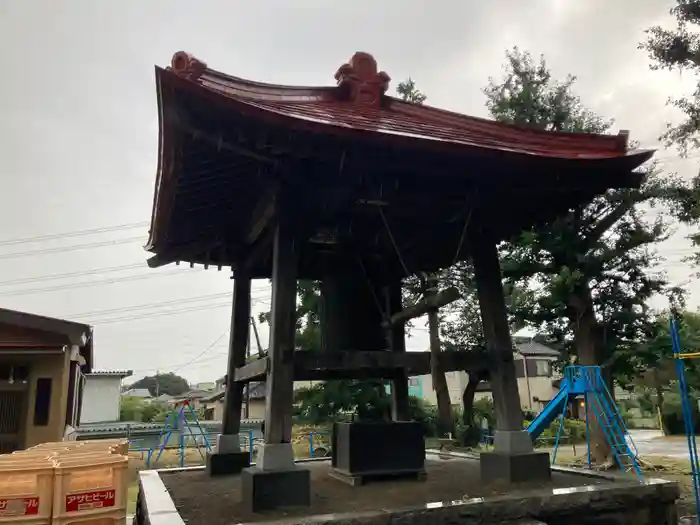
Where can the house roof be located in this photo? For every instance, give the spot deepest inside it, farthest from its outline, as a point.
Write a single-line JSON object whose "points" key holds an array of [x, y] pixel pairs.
{"points": [[79, 334], [137, 392], [533, 348], [110, 373], [257, 391]]}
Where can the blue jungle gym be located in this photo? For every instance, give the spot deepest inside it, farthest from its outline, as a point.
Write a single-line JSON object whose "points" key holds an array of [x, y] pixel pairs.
{"points": [[587, 382]]}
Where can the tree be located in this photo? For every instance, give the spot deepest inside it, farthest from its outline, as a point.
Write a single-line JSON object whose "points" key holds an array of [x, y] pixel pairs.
{"points": [[679, 49], [170, 384], [326, 402], [137, 409], [462, 329], [595, 268], [408, 92]]}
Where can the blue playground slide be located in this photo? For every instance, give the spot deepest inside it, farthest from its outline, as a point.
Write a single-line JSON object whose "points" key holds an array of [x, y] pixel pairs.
{"points": [[588, 381], [551, 412]]}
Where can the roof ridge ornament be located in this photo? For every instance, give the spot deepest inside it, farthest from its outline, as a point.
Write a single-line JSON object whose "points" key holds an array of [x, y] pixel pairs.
{"points": [[360, 82], [185, 65]]}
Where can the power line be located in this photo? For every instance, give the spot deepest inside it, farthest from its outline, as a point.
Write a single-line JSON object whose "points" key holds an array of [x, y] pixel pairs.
{"points": [[74, 247], [168, 313], [75, 233], [156, 305], [58, 276], [216, 341], [71, 286]]}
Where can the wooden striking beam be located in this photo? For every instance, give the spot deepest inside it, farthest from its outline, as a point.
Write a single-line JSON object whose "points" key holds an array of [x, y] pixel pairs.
{"points": [[382, 363], [423, 306], [253, 371]]}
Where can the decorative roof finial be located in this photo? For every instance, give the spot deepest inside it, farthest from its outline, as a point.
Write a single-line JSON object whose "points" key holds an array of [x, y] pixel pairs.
{"points": [[185, 65], [359, 80]]}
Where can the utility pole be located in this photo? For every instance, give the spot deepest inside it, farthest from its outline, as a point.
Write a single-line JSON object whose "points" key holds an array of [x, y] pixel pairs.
{"points": [[257, 337]]}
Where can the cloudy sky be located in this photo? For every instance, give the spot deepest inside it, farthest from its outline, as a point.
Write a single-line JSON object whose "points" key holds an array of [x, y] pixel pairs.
{"points": [[78, 132]]}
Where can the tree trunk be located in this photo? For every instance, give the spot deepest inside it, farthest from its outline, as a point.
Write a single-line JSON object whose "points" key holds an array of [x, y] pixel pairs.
{"points": [[472, 432], [442, 393], [659, 398], [587, 335]]}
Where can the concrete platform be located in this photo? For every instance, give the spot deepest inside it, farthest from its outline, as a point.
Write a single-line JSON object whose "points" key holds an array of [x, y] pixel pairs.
{"points": [[573, 497]]}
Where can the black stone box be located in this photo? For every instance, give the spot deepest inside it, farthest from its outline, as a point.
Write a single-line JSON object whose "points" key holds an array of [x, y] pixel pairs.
{"points": [[381, 448]]}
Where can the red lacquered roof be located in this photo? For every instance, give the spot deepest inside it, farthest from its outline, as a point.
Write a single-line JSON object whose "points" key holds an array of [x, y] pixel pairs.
{"points": [[359, 102]]}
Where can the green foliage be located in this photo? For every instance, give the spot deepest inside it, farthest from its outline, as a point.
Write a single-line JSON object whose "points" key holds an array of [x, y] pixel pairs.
{"points": [[673, 415], [574, 431], [659, 352], [332, 400], [595, 267], [140, 410], [408, 92], [679, 49], [528, 96], [170, 384]]}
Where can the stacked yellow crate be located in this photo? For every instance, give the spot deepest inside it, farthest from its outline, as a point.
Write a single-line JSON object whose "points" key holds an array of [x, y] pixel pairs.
{"points": [[26, 489], [65, 483], [89, 488]]}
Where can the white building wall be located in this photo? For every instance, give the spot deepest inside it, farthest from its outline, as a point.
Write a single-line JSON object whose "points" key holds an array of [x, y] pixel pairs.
{"points": [[535, 392], [101, 399]]}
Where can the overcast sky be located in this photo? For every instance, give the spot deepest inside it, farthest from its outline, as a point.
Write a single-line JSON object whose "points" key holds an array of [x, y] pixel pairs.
{"points": [[78, 131]]}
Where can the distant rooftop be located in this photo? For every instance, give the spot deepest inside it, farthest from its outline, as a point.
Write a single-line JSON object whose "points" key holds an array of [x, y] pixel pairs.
{"points": [[111, 373], [137, 392]]}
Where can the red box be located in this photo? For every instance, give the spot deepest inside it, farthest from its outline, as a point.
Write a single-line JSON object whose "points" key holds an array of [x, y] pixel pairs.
{"points": [[19, 507], [98, 499]]}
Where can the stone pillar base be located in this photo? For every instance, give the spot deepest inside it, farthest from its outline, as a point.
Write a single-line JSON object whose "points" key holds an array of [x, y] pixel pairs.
{"points": [[515, 468], [223, 463], [275, 456], [270, 489], [512, 442]]}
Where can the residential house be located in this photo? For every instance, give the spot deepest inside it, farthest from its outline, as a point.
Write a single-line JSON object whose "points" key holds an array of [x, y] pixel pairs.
{"points": [[205, 386], [253, 406], [102, 399], [42, 365], [143, 393], [537, 380]]}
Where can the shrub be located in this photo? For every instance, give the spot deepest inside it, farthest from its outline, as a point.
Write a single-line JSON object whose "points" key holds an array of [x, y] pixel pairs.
{"points": [[574, 431], [424, 413], [673, 414]]}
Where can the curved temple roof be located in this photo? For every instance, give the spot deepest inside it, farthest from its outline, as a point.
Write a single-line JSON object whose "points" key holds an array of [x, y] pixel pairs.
{"points": [[228, 144], [359, 102]]}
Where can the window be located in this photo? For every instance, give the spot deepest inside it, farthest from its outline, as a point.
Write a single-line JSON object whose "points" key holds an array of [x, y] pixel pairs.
{"points": [[42, 402], [543, 368], [412, 381]]}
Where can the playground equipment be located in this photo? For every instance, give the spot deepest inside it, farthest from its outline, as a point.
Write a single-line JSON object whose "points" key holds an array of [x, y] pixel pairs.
{"points": [[588, 382], [687, 408], [177, 421]]}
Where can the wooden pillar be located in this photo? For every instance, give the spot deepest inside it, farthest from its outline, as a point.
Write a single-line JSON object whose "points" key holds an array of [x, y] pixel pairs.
{"points": [[503, 380], [397, 343], [238, 345], [280, 377]]}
